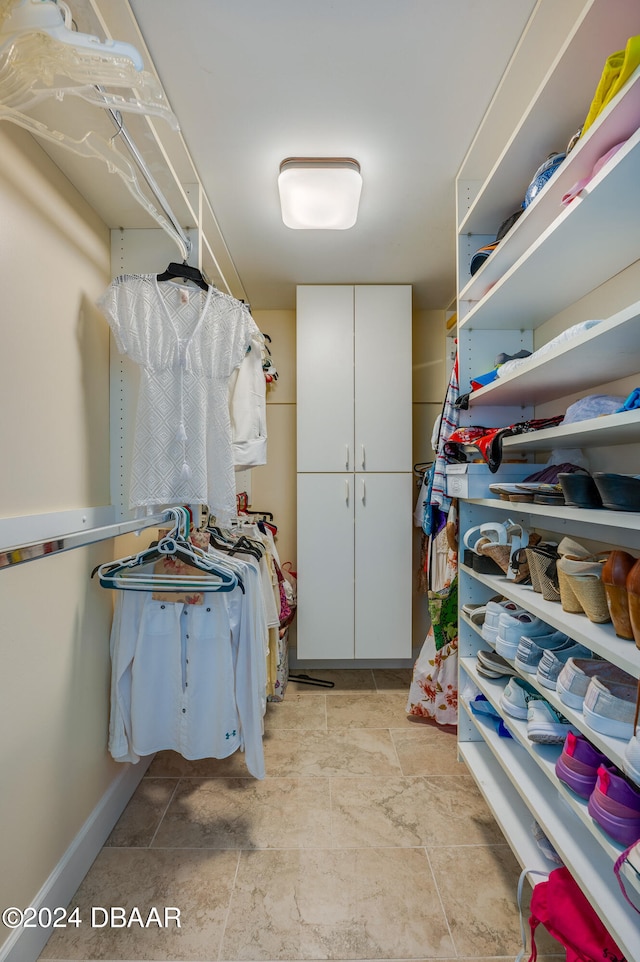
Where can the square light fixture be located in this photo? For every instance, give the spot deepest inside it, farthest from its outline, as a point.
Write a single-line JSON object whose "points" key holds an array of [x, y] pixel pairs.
{"points": [[319, 193]]}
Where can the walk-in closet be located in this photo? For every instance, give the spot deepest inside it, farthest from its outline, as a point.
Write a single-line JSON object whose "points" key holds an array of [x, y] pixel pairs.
{"points": [[320, 500]]}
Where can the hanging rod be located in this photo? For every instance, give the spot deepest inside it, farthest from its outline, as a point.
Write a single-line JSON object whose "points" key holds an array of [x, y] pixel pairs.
{"points": [[9, 557], [184, 241]]}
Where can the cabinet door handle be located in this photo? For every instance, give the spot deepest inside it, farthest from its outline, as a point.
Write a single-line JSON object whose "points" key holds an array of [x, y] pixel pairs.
{"points": [[364, 491], [362, 457], [346, 457], [346, 490]]}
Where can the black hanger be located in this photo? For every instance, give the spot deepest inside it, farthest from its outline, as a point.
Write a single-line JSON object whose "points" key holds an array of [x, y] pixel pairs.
{"points": [[186, 271]]}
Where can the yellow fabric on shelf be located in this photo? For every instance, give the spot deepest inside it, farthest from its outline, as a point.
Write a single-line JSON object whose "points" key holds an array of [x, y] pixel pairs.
{"points": [[617, 70]]}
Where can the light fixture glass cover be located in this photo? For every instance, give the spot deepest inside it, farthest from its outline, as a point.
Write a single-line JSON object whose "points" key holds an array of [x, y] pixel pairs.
{"points": [[319, 193]]}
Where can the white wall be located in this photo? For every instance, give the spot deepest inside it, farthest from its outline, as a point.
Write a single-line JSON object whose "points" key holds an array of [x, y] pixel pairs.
{"points": [[54, 436]]}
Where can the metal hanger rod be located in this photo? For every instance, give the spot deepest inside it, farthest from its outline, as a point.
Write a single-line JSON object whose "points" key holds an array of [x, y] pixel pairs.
{"points": [[118, 122]]}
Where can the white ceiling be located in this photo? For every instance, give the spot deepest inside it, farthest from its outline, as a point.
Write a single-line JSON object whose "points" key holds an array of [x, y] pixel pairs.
{"points": [[400, 85]]}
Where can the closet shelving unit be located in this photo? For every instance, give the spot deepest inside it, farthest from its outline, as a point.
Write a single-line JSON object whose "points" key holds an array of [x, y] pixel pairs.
{"points": [[553, 257]]}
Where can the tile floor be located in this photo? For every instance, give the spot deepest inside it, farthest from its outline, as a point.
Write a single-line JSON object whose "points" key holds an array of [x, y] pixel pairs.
{"points": [[367, 840]]}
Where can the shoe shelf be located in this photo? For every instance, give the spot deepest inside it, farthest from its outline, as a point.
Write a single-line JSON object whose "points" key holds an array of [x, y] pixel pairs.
{"points": [[619, 528], [525, 796], [606, 352], [546, 755], [601, 639]]}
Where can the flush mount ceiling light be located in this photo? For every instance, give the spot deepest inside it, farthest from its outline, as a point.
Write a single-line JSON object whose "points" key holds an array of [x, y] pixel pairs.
{"points": [[319, 193]]}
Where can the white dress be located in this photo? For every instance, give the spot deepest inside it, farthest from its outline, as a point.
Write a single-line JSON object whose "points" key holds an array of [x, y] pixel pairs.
{"points": [[188, 342]]}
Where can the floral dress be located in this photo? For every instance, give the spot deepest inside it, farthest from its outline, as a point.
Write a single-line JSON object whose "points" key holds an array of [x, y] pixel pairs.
{"points": [[434, 687]]}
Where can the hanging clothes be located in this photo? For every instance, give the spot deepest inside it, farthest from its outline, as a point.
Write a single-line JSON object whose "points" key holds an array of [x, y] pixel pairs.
{"points": [[248, 407], [187, 342], [433, 693], [190, 677]]}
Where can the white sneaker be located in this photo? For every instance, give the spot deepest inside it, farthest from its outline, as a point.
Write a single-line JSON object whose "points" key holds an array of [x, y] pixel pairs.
{"points": [[511, 628], [545, 725], [516, 697], [492, 614]]}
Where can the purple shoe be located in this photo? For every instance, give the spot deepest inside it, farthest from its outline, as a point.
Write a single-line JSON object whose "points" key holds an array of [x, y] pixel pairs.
{"points": [[615, 805], [578, 764]]}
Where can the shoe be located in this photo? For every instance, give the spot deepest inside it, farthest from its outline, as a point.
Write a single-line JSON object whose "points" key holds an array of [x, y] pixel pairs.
{"points": [[516, 697], [554, 660], [576, 551], [530, 650], [492, 614], [580, 490], [575, 678], [545, 724], [619, 492], [614, 578], [581, 587], [491, 661], [615, 805], [633, 597], [577, 766], [512, 627], [545, 845], [609, 708], [632, 751]]}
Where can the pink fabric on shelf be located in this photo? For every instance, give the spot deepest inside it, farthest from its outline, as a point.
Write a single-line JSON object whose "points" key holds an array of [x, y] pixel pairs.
{"points": [[599, 164]]}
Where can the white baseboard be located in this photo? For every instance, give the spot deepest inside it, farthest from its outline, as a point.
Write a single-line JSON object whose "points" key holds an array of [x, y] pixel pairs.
{"points": [[25, 945]]}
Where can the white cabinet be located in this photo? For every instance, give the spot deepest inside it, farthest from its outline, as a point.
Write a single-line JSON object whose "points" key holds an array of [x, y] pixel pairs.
{"points": [[353, 372], [549, 273], [354, 472]]}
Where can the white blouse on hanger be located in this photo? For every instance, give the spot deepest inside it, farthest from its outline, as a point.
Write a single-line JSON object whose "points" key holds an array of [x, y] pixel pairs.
{"points": [[188, 342]]}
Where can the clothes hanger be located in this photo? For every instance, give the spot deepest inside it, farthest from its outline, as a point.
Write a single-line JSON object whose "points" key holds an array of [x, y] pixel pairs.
{"points": [[186, 272], [42, 56], [124, 574]]}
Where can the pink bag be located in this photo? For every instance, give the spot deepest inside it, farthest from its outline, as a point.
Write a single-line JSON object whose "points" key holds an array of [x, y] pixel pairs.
{"points": [[565, 912]]}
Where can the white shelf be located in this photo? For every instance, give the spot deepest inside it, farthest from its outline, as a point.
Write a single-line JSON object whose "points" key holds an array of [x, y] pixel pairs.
{"points": [[605, 431], [533, 289], [600, 639], [557, 110], [538, 798], [620, 529], [606, 352]]}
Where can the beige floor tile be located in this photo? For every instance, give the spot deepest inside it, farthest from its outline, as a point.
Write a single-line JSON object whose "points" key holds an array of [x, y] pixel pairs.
{"points": [[198, 883], [172, 765], [410, 811], [248, 814], [385, 709], [393, 679], [140, 819], [426, 750], [478, 888], [297, 711], [363, 904], [348, 752], [344, 679]]}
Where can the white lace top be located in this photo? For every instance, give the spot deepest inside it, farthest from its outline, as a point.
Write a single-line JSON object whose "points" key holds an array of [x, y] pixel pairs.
{"points": [[187, 342]]}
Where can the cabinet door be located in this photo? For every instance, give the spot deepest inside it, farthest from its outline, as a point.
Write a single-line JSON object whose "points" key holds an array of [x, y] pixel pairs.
{"points": [[324, 376], [325, 566], [383, 375], [383, 565]]}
